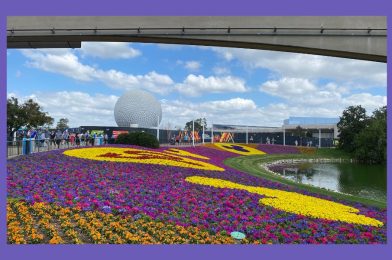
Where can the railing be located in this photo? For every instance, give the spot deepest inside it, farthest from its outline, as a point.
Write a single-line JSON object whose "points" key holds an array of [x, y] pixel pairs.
{"points": [[30, 145]]}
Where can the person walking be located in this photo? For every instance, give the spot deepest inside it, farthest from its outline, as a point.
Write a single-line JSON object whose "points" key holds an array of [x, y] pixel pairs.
{"points": [[82, 139], [87, 137], [77, 140], [51, 136], [66, 137], [42, 139], [58, 138], [105, 138], [93, 139]]}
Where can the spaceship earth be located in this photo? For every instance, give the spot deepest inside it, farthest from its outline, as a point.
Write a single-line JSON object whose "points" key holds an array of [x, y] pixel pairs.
{"points": [[137, 107]]}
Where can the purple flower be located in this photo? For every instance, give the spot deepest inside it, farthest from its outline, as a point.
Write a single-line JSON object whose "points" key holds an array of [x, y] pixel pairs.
{"points": [[161, 192]]}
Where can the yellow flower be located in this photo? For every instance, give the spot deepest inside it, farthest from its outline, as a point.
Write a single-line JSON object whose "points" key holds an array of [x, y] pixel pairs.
{"points": [[131, 155], [176, 151], [56, 240], [295, 202], [238, 149]]}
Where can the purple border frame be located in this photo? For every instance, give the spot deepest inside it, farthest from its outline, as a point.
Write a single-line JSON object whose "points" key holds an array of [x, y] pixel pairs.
{"points": [[182, 8]]}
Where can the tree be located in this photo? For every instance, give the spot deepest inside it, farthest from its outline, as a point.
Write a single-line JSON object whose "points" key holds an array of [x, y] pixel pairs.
{"points": [[308, 134], [371, 143], [353, 121], [63, 123], [300, 132], [27, 115], [198, 125]]}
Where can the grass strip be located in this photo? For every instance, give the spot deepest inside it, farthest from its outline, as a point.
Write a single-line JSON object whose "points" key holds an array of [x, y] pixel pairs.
{"points": [[251, 165]]}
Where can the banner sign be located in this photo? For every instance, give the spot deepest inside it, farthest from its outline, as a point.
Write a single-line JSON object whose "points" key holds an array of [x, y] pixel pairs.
{"points": [[117, 132], [97, 132]]}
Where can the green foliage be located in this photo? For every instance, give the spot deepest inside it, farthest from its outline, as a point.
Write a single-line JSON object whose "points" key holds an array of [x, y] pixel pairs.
{"points": [[299, 131], [352, 122], [138, 138], [251, 165], [27, 115], [63, 123], [148, 140], [371, 143], [198, 125], [123, 139], [308, 134], [364, 137]]}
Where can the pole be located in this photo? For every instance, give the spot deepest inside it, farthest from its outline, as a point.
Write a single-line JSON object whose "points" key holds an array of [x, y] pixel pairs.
{"points": [[212, 132], [284, 136], [319, 137], [246, 134], [158, 129], [193, 133], [203, 134]]}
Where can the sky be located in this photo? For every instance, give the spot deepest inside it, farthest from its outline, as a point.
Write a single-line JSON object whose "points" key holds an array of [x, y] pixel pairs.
{"points": [[224, 85]]}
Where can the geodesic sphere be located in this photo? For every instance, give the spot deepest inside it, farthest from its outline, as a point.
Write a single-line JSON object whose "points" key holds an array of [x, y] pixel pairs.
{"points": [[137, 107]]}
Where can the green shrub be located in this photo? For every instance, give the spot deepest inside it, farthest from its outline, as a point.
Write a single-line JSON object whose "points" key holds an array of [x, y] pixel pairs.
{"points": [[122, 139], [147, 140], [138, 138]]}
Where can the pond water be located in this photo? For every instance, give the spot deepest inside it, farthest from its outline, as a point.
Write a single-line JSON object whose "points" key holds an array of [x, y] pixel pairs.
{"points": [[367, 181]]}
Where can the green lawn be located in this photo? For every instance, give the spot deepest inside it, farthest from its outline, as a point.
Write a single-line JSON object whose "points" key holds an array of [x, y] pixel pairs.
{"points": [[251, 165]]}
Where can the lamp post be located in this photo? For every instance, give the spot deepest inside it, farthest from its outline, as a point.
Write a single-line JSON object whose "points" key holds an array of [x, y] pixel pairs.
{"points": [[203, 134], [212, 132], [246, 134], [158, 129], [193, 132], [319, 137]]}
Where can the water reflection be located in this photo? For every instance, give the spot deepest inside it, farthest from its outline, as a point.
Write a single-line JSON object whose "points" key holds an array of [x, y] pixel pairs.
{"points": [[368, 181]]}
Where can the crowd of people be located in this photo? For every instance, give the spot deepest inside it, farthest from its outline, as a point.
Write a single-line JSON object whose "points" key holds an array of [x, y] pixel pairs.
{"points": [[60, 138]]}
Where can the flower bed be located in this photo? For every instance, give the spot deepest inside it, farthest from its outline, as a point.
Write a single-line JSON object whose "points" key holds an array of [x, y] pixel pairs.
{"points": [[238, 149], [278, 149], [307, 150], [162, 194], [52, 224], [134, 155]]}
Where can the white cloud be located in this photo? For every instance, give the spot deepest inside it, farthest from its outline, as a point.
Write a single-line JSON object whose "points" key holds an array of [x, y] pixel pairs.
{"points": [[109, 50], [151, 81], [325, 100], [302, 91], [366, 100], [360, 74], [59, 61], [237, 111], [197, 85], [221, 70], [97, 109], [65, 62], [233, 111], [192, 65], [80, 108]]}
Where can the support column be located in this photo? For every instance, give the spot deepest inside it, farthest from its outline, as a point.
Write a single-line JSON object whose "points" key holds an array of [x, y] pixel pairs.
{"points": [[193, 133], [203, 134], [212, 133], [158, 129], [284, 136], [246, 134], [319, 137]]}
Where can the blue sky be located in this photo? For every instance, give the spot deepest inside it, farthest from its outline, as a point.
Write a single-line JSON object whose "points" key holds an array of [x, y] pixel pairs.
{"points": [[224, 85]]}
